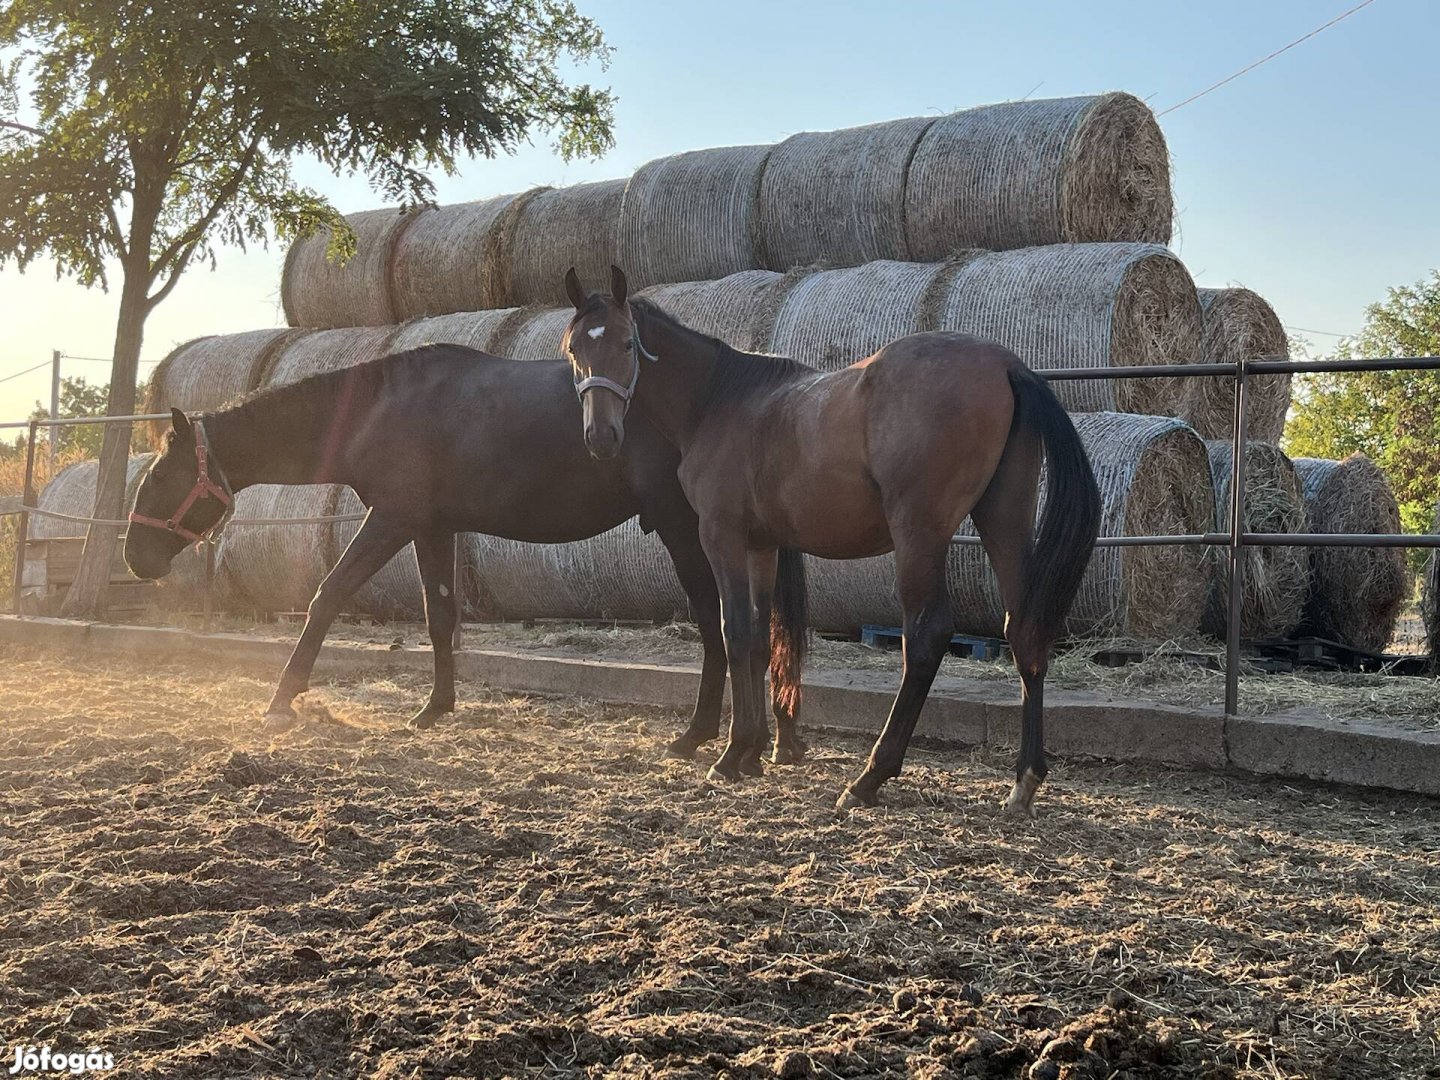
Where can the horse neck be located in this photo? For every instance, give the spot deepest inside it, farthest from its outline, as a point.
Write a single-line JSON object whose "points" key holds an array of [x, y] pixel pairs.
{"points": [[672, 388], [287, 437]]}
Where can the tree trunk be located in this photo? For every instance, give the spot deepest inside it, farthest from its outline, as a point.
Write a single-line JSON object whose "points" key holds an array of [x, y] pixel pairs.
{"points": [[93, 574]]}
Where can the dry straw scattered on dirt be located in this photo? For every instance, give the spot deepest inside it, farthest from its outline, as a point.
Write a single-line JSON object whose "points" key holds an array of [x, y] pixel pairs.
{"points": [[318, 292], [1049, 171], [1238, 325], [1276, 579], [1355, 593], [693, 216], [530, 890]]}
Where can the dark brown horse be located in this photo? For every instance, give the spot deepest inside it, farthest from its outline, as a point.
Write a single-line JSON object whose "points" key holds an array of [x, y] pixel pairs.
{"points": [[890, 454], [436, 441]]}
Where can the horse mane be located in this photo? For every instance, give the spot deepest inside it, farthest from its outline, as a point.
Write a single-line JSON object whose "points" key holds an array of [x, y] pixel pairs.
{"points": [[736, 374]]}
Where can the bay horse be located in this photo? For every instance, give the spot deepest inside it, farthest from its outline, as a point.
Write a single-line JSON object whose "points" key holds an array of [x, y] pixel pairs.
{"points": [[435, 441], [889, 454]]}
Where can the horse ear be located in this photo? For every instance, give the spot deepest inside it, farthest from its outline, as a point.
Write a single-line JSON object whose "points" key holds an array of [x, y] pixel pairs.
{"points": [[618, 285], [181, 424], [573, 289]]}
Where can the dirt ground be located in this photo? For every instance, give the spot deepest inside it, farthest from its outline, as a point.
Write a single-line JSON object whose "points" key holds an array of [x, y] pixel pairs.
{"points": [[530, 890]]}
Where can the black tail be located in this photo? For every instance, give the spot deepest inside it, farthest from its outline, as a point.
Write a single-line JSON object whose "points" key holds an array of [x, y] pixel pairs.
{"points": [[1071, 518], [789, 625]]}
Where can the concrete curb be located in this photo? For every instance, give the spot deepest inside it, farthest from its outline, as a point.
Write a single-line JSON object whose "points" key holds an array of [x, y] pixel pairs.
{"points": [[958, 711]]}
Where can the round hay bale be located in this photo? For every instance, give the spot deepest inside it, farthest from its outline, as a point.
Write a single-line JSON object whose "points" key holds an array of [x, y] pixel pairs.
{"points": [[328, 350], [1276, 578], [1355, 593], [1025, 173], [846, 594], [208, 372], [557, 229], [692, 216], [474, 329], [838, 196], [1237, 324], [1080, 305], [835, 317], [451, 258], [278, 568], [395, 591], [738, 309], [319, 293], [622, 573], [532, 333]]}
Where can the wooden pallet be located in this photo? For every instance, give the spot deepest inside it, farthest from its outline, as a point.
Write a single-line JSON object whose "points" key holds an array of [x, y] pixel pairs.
{"points": [[124, 596], [966, 645]]}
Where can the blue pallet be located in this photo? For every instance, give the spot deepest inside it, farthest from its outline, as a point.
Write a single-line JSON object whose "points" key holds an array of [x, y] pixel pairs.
{"points": [[967, 645]]}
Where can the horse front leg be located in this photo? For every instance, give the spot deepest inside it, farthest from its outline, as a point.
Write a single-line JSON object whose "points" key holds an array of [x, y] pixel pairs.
{"points": [[738, 623], [372, 547], [435, 556], [679, 531]]}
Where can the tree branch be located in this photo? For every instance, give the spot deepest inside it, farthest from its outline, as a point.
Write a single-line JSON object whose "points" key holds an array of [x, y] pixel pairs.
{"points": [[21, 127], [117, 234], [181, 261], [187, 240]]}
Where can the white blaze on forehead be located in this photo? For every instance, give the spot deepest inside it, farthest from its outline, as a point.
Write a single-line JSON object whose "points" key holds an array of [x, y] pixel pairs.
{"points": [[597, 333]]}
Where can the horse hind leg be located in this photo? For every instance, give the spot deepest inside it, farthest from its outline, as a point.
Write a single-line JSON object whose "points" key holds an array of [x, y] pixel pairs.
{"points": [[929, 624], [1005, 519], [435, 557]]}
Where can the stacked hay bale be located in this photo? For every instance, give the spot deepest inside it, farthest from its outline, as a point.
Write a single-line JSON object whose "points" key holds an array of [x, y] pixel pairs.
{"points": [[559, 228], [1276, 579], [1355, 593], [319, 292], [1237, 324]]}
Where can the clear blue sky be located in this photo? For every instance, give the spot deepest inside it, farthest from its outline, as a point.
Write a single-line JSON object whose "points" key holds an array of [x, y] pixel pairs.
{"points": [[1310, 179]]}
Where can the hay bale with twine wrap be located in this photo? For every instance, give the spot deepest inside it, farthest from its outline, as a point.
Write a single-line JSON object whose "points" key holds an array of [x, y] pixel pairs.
{"points": [[320, 293], [206, 373], [1237, 324], [533, 333], [473, 329], [835, 317], [1081, 305], [1025, 173], [692, 216], [737, 309], [279, 567], [838, 196], [450, 259], [562, 227], [328, 350], [1276, 578], [621, 574], [1355, 593]]}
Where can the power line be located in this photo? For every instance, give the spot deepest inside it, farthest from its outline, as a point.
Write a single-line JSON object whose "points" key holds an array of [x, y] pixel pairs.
{"points": [[1272, 56], [1322, 333], [27, 371]]}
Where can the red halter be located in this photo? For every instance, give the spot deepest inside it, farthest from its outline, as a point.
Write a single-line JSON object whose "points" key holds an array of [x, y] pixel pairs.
{"points": [[204, 487]]}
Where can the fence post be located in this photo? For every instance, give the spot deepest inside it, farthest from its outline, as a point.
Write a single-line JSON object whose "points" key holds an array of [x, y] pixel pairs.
{"points": [[28, 498], [1236, 552]]}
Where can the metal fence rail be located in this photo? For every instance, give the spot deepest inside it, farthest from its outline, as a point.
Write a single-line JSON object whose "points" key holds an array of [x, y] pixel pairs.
{"points": [[1234, 541]]}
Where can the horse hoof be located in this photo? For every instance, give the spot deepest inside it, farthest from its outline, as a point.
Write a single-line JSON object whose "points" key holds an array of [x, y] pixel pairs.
{"points": [[277, 722], [1022, 795], [723, 775], [751, 766], [424, 720], [792, 754], [1017, 807], [680, 750], [851, 800]]}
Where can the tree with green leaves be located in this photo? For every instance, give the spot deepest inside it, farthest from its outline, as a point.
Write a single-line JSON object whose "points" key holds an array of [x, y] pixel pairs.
{"points": [[1393, 417], [79, 398], [156, 133]]}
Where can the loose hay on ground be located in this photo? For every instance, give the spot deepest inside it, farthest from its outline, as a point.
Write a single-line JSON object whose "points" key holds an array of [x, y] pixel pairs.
{"points": [[529, 889]]}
